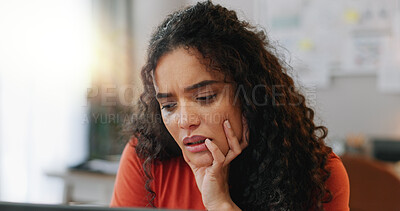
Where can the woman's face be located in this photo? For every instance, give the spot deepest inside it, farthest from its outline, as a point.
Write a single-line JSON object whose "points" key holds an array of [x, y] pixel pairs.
{"points": [[194, 104]]}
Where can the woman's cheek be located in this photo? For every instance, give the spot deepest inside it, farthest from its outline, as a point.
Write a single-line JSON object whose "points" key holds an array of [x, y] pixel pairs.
{"points": [[223, 144], [169, 124]]}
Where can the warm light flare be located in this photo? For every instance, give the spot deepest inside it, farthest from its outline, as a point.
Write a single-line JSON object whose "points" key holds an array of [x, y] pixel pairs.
{"points": [[45, 58]]}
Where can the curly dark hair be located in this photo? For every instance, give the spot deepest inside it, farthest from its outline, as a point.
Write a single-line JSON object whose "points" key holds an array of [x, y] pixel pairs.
{"points": [[284, 165]]}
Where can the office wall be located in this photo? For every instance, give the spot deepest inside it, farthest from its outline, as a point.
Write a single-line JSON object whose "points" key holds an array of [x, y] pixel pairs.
{"points": [[352, 105]]}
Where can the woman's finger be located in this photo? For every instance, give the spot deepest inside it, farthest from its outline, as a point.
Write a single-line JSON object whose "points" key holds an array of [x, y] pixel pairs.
{"points": [[234, 147], [218, 157]]}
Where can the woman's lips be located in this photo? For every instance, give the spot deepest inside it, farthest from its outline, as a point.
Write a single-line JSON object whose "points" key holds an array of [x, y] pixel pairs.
{"points": [[195, 143], [196, 147]]}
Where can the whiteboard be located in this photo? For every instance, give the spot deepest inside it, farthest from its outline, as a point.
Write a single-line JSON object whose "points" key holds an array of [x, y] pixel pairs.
{"points": [[323, 38]]}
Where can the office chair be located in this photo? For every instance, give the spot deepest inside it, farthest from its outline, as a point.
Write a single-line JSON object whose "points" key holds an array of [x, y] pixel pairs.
{"points": [[374, 185]]}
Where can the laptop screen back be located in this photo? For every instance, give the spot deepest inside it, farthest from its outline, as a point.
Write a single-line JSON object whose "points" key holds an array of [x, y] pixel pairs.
{"points": [[8, 206]]}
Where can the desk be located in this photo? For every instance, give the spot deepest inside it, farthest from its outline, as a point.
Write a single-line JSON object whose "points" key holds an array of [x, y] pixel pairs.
{"points": [[84, 187]]}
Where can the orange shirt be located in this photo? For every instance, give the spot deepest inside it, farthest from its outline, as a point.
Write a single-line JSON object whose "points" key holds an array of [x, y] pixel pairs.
{"points": [[176, 188]]}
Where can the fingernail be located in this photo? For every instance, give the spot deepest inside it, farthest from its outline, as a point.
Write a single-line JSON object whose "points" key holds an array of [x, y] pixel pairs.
{"points": [[227, 124], [207, 140]]}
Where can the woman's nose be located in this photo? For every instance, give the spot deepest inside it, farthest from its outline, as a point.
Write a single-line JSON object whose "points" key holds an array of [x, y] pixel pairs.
{"points": [[188, 117]]}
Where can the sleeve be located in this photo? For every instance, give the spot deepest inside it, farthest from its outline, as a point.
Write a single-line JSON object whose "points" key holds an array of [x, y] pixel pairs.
{"points": [[129, 190], [338, 184]]}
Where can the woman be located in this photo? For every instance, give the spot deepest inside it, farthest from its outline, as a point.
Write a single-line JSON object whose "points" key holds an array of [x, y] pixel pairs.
{"points": [[221, 126]]}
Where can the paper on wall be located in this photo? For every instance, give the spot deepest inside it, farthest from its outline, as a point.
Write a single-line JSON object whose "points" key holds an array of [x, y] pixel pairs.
{"points": [[389, 71]]}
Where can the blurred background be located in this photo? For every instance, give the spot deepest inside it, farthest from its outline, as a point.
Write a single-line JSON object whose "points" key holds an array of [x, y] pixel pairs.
{"points": [[68, 69]]}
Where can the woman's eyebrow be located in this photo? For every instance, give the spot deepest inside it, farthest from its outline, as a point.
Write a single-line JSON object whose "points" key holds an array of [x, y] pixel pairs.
{"points": [[200, 84], [163, 95], [189, 88]]}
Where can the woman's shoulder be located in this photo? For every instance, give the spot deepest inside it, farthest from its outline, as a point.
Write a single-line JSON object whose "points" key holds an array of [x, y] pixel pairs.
{"points": [[338, 179], [337, 184], [130, 156], [130, 147], [336, 167], [131, 165], [129, 187]]}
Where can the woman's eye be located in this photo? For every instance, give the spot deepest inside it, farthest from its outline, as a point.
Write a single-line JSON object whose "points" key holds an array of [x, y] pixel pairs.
{"points": [[206, 99], [168, 106]]}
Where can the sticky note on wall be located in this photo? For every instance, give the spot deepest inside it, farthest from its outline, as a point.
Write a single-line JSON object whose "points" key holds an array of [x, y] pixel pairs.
{"points": [[306, 44], [351, 16]]}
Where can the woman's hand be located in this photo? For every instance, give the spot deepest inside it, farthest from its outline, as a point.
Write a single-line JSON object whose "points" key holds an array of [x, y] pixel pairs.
{"points": [[212, 180]]}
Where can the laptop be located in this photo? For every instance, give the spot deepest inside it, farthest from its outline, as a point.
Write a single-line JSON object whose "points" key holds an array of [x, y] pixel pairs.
{"points": [[10, 206]]}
